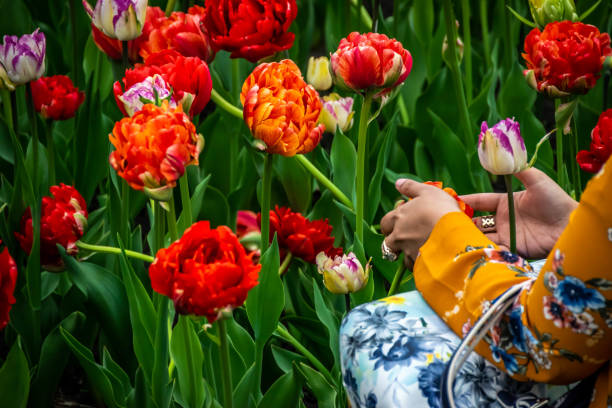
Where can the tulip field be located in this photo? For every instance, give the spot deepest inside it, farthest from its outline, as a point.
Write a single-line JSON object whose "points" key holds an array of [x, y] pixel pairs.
{"points": [[191, 191]]}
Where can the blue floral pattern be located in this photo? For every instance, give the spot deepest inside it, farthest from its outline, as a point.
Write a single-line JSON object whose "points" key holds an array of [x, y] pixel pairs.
{"points": [[394, 352]]}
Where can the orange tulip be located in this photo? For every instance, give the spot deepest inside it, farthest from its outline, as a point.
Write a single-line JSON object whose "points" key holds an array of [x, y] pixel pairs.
{"points": [[281, 109], [153, 147]]}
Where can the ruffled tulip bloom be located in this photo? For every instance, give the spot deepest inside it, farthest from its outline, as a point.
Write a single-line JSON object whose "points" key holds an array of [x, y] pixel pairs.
{"points": [[342, 274], [206, 272], [466, 208], [300, 236], [120, 19], [252, 29], [501, 149], [601, 145], [152, 90], [180, 32], [55, 97], [281, 109], [8, 280], [548, 11], [153, 147], [337, 113], [370, 62], [189, 78], [63, 221], [318, 74], [565, 58], [112, 47], [23, 57]]}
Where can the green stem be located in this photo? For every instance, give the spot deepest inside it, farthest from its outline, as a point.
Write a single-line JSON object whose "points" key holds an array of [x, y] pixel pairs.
{"points": [[236, 79], [225, 105], [124, 229], [169, 7], [234, 139], [75, 47], [171, 215], [361, 156], [484, 24], [185, 198], [34, 127], [285, 264], [225, 365], [467, 48], [327, 183], [366, 20], [265, 202], [50, 152], [575, 166], [125, 55], [511, 216], [464, 113], [158, 225], [115, 251], [284, 333], [559, 144], [507, 33], [399, 275]]}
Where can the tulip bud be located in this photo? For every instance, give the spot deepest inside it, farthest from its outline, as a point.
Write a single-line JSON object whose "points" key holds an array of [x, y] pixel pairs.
{"points": [[152, 90], [23, 57], [459, 46], [501, 149], [318, 74], [547, 11], [120, 19], [342, 274], [337, 112]]}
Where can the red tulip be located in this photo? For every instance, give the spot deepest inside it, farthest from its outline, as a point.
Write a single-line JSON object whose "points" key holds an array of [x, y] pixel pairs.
{"points": [[601, 145], [565, 58], [250, 29], [370, 62], [55, 97], [8, 279]]}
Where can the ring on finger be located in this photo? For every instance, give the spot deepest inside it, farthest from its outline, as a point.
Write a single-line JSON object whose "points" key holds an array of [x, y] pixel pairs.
{"points": [[387, 253], [487, 222]]}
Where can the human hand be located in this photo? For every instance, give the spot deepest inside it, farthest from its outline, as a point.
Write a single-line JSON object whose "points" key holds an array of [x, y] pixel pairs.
{"points": [[542, 213], [408, 226]]}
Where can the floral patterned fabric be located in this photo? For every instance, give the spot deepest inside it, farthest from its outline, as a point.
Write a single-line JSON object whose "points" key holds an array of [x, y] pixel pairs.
{"points": [[394, 352], [559, 330]]}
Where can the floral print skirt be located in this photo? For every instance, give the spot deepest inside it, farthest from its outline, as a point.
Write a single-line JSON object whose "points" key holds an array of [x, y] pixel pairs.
{"points": [[393, 354]]}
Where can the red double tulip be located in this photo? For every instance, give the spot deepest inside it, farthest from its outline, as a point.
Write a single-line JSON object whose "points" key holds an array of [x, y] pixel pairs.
{"points": [[189, 78], [565, 58], [55, 97], [205, 272], [250, 29], [63, 220], [181, 32], [281, 109], [601, 145], [8, 279], [370, 62], [300, 236]]}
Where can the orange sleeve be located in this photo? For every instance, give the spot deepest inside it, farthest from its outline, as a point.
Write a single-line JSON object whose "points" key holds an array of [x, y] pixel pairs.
{"points": [[560, 328]]}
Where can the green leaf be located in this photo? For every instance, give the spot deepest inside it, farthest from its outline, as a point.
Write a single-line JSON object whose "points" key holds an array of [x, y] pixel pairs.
{"points": [[241, 341], [589, 11], [196, 204], [53, 358], [243, 391], [101, 379], [296, 181], [521, 18], [106, 301], [422, 19], [142, 316], [14, 379], [322, 390], [329, 320], [188, 357], [365, 294], [160, 381], [139, 396], [285, 358], [285, 392], [374, 189], [344, 163], [265, 301]]}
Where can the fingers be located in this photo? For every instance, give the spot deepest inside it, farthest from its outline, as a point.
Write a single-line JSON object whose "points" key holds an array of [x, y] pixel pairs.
{"points": [[483, 201], [531, 176], [411, 188], [388, 222]]}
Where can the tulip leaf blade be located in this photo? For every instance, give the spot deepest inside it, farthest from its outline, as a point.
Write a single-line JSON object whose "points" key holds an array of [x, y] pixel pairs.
{"points": [[15, 378], [329, 321], [323, 391], [343, 163], [186, 351], [285, 391]]}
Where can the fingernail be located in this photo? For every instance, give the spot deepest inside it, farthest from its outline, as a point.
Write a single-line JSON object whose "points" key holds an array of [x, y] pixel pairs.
{"points": [[400, 182]]}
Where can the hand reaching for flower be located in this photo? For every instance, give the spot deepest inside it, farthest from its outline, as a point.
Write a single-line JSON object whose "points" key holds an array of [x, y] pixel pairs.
{"points": [[542, 213]]}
